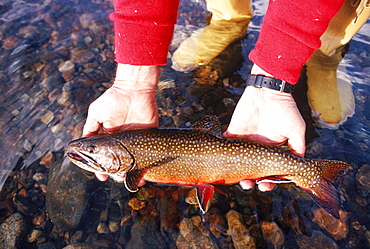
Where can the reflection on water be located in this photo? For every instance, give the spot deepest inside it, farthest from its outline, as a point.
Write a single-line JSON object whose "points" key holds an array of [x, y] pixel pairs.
{"points": [[56, 57]]}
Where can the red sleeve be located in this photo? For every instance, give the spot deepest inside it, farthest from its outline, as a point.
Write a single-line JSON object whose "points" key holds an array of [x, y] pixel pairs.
{"points": [[289, 35], [143, 30]]}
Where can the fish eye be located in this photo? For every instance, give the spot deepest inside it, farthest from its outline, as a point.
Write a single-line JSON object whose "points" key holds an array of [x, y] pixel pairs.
{"points": [[91, 148]]}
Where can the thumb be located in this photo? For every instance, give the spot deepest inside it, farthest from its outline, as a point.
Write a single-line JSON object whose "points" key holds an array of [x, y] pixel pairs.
{"points": [[297, 146], [91, 127]]}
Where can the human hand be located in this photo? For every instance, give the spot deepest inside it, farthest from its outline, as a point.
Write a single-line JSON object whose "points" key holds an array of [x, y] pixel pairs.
{"points": [[129, 103], [270, 117]]}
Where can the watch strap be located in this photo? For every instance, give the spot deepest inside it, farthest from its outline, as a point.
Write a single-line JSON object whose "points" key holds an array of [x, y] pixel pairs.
{"points": [[268, 82]]}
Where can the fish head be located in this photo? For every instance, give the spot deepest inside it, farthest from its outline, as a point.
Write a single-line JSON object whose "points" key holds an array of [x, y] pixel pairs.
{"points": [[101, 155]]}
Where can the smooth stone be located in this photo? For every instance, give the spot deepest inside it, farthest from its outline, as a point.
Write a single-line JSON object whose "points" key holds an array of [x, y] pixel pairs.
{"points": [[66, 196], [12, 231], [363, 175]]}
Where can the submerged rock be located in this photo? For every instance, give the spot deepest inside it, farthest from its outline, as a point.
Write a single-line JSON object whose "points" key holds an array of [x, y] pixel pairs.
{"points": [[272, 233], [337, 228], [193, 235], [317, 240], [66, 197], [363, 175], [239, 231], [12, 231]]}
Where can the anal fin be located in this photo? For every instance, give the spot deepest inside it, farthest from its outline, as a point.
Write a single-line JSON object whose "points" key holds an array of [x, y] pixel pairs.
{"points": [[327, 196]]}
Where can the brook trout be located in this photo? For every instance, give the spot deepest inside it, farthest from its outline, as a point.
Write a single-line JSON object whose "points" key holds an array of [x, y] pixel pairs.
{"points": [[200, 157]]}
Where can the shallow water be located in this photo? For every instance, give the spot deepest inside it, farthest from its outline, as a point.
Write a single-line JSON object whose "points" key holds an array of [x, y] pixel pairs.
{"points": [[56, 58]]}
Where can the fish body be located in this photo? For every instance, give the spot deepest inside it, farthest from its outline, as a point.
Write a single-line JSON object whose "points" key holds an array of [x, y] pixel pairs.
{"points": [[201, 157]]}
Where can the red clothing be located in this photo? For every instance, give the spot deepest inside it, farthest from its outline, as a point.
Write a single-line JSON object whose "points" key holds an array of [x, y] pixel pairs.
{"points": [[290, 33], [143, 30]]}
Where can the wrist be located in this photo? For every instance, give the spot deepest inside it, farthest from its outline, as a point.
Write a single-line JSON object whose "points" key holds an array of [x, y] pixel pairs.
{"points": [[261, 79], [136, 78], [259, 71]]}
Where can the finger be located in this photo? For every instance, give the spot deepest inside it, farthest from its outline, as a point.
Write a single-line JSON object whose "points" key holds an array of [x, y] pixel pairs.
{"points": [[91, 127], [297, 145], [266, 186], [101, 177], [141, 183], [246, 184]]}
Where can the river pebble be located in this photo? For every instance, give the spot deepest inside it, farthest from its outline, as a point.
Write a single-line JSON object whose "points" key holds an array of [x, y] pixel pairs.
{"points": [[239, 231], [363, 175], [12, 231], [337, 228]]}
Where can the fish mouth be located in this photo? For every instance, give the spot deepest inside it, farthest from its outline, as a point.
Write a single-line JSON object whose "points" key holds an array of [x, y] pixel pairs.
{"points": [[84, 161]]}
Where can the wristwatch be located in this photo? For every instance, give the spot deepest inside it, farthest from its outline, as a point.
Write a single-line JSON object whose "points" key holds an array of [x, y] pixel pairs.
{"points": [[259, 80]]}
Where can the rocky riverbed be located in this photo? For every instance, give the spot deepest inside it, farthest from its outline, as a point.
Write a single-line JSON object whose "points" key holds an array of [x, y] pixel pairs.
{"points": [[57, 56]]}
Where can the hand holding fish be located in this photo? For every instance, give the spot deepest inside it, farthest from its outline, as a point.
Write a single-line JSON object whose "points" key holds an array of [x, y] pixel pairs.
{"points": [[128, 104], [201, 157], [270, 117]]}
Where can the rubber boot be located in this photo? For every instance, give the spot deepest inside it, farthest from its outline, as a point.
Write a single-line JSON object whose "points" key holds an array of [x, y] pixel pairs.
{"points": [[345, 24], [330, 99], [229, 22]]}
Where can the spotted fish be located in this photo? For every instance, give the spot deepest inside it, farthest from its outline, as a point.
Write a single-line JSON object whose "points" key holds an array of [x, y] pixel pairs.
{"points": [[201, 157]]}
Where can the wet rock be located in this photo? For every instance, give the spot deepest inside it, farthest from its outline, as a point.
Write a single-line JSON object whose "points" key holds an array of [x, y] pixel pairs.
{"points": [[81, 56], [317, 240], [12, 230], [272, 233], [39, 177], [103, 228], [136, 204], [193, 235], [114, 226], [39, 218], [10, 42], [363, 175], [47, 117], [77, 237], [34, 235], [46, 245], [238, 231], [79, 246], [145, 193], [67, 68], [367, 236], [217, 223], [145, 235], [357, 226], [66, 198], [337, 228], [89, 21]]}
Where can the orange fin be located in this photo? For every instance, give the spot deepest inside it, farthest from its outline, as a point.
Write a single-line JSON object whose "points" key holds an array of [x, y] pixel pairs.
{"points": [[204, 194], [133, 179], [325, 193]]}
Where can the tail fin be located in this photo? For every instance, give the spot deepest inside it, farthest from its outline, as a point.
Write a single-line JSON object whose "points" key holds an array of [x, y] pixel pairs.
{"points": [[325, 193]]}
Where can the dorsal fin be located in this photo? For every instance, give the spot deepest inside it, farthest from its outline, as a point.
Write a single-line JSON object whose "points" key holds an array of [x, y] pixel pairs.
{"points": [[211, 124]]}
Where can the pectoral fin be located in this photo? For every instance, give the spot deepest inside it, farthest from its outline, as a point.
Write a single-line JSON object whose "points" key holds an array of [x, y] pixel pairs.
{"points": [[204, 194], [133, 179]]}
